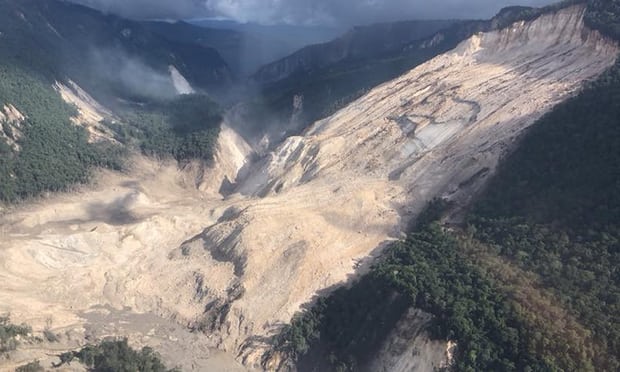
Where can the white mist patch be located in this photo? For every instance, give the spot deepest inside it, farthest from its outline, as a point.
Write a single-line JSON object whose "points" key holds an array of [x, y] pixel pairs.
{"points": [[180, 82], [129, 74]]}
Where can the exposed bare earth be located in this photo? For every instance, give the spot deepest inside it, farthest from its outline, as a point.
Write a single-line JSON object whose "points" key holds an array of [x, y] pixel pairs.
{"points": [[409, 348], [181, 84], [10, 126], [303, 220], [90, 113]]}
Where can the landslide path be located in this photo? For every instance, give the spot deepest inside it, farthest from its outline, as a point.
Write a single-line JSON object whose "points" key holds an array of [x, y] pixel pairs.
{"points": [[306, 217]]}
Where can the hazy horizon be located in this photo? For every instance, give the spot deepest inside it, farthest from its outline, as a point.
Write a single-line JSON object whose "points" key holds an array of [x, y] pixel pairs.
{"points": [[332, 13]]}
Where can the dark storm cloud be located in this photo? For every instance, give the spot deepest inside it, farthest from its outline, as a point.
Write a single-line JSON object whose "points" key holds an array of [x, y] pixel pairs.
{"points": [[343, 12]]}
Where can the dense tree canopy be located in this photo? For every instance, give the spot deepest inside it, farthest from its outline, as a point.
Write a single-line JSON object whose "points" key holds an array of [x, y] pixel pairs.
{"points": [[116, 356]]}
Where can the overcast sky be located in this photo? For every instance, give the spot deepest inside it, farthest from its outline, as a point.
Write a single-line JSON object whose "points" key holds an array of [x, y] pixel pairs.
{"points": [[333, 12]]}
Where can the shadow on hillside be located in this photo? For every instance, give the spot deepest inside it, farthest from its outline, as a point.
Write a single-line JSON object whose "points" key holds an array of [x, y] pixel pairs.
{"points": [[115, 213]]}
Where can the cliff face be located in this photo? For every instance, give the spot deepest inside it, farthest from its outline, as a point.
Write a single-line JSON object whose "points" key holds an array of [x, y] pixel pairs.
{"points": [[307, 216], [409, 348]]}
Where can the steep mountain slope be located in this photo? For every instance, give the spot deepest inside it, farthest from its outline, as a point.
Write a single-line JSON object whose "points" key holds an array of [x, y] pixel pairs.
{"points": [[229, 43], [528, 283], [303, 219], [59, 39], [361, 43], [245, 47], [77, 88], [320, 79]]}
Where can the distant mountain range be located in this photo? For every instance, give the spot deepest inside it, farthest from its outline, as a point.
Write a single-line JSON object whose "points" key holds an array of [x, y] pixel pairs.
{"points": [[359, 43], [267, 43], [65, 40]]}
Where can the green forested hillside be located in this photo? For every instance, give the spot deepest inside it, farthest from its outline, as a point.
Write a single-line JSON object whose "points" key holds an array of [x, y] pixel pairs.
{"points": [[554, 210], [603, 15], [432, 270], [185, 128], [123, 66], [531, 281], [53, 152]]}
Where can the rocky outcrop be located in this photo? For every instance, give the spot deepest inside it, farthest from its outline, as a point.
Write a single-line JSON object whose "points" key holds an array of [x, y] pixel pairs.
{"points": [[90, 113], [409, 348], [11, 126]]}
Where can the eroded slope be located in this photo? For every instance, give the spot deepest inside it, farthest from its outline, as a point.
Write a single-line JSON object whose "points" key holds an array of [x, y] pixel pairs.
{"points": [[309, 215]]}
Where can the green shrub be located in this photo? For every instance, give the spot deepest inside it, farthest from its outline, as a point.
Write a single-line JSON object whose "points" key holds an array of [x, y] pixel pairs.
{"points": [[33, 366], [9, 333], [116, 356]]}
